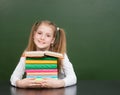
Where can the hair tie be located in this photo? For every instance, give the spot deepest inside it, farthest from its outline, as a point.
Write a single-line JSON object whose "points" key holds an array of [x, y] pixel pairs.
{"points": [[58, 28]]}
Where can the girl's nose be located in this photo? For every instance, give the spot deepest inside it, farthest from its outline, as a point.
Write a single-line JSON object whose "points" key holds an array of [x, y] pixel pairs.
{"points": [[43, 37]]}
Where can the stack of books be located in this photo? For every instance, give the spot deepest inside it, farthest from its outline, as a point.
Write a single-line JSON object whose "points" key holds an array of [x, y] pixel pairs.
{"points": [[41, 64]]}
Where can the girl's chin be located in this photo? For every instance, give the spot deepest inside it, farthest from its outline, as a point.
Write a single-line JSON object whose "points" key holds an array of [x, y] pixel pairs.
{"points": [[42, 48]]}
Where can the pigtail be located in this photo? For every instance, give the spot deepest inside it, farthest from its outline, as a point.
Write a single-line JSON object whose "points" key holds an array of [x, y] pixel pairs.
{"points": [[31, 45], [61, 45], [61, 41]]}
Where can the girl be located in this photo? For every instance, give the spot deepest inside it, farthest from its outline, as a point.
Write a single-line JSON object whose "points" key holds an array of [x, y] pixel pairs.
{"points": [[45, 36]]}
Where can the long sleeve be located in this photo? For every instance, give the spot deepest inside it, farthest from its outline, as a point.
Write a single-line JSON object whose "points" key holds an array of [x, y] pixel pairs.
{"points": [[69, 74], [18, 72]]}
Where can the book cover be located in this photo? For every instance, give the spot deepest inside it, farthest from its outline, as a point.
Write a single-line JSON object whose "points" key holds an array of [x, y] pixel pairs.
{"points": [[43, 53]]}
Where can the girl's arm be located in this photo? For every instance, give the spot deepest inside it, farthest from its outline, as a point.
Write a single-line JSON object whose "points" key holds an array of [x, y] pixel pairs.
{"points": [[70, 76], [17, 81], [17, 77], [18, 72], [67, 78]]}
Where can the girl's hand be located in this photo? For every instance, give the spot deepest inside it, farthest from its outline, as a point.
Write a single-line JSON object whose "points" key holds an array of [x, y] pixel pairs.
{"points": [[28, 83], [51, 83], [44, 83]]}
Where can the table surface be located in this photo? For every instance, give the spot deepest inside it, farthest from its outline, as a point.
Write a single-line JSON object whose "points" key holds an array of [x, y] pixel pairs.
{"points": [[83, 87]]}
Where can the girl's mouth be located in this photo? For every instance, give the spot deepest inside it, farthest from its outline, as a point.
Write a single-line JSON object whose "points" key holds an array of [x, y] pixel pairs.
{"points": [[41, 42]]}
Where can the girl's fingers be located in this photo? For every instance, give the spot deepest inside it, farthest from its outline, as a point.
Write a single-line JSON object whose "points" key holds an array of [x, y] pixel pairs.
{"points": [[31, 78]]}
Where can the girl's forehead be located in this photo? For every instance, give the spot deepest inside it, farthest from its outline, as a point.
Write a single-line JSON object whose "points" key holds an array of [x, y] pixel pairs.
{"points": [[48, 25], [45, 27]]}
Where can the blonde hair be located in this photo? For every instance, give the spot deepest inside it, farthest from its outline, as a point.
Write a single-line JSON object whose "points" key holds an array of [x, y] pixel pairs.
{"points": [[59, 44]]}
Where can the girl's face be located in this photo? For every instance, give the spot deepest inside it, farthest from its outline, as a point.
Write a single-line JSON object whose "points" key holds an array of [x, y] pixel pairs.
{"points": [[43, 37]]}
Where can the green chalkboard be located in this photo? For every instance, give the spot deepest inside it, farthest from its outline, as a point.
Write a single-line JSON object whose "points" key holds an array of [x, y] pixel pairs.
{"points": [[92, 28]]}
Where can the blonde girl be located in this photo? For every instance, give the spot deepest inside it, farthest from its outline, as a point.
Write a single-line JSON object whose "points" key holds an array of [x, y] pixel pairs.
{"points": [[45, 36]]}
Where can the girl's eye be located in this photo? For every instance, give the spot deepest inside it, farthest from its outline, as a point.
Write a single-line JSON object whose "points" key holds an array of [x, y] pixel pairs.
{"points": [[39, 33], [48, 35]]}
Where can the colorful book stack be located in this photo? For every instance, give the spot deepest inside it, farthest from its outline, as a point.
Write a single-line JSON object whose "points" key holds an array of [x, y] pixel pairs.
{"points": [[41, 67]]}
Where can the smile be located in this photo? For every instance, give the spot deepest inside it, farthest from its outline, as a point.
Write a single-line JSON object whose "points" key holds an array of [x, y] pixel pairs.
{"points": [[41, 42]]}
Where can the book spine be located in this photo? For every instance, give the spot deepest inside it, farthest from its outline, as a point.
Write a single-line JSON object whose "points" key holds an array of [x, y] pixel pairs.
{"points": [[45, 67]]}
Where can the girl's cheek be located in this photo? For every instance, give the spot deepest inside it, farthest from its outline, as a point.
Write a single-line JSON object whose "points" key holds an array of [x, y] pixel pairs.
{"points": [[37, 36]]}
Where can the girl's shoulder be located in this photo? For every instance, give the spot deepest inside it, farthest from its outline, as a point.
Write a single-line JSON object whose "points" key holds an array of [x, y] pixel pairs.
{"points": [[23, 54]]}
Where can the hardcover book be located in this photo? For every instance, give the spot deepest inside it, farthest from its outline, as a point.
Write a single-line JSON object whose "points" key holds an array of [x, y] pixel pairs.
{"points": [[41, 65]]}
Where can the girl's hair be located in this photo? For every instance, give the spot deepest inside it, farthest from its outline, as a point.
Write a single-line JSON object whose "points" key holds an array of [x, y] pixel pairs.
{"points": [[59, 44]]}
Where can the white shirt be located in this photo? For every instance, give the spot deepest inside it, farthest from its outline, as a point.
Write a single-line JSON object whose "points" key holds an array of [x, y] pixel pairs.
{"points": [[67, 72]]}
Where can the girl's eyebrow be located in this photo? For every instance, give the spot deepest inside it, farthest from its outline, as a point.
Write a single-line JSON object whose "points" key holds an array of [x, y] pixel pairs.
{"points": [[48, 32]]}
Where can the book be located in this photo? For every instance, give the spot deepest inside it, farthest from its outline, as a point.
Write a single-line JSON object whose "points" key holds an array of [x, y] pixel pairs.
{"points": [[42, 54], [42, 64]]}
